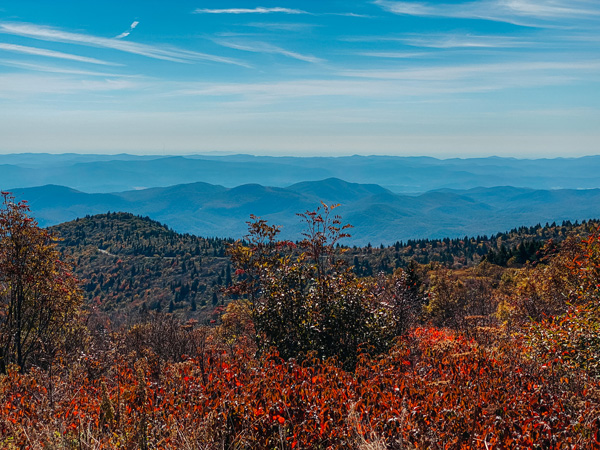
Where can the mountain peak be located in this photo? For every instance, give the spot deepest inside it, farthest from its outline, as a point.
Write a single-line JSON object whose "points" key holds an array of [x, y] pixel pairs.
{"points": [[337, 190]]}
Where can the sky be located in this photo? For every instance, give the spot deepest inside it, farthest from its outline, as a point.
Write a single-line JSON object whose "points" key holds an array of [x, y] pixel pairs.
{"points": [[514, 78]]}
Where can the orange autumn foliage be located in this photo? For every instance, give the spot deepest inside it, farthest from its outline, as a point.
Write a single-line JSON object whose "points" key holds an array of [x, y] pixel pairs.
{"points": [[433, 390]]}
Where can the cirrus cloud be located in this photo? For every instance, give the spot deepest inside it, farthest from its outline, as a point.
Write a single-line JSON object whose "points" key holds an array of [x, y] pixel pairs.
{"points": [[259, 10], [51, 54], [518, 12], [151, 51]]}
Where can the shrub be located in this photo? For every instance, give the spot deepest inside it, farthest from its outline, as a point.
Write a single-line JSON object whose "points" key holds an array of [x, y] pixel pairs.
{"points": [[303, 299]]}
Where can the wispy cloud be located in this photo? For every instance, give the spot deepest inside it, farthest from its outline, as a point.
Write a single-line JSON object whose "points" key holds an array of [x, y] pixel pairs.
{"points": [[59, 70], [518, 12], [491, 75], [263, 47], [463, 41], [395, 85], [398, 85], [128, 32], [349, 14], [259, 10], [394, 55], [296, 27], [255, 95], [150, 51], [16, 86], [452, 40], [51, 54], [535, 41], [280, 91]]}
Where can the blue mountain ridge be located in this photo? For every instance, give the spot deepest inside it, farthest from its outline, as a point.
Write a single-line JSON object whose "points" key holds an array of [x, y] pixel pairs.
{"points": [[377, 214]]}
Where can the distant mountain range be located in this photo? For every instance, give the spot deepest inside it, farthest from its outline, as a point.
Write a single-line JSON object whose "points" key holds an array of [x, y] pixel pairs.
{"points": [[116, 173], [378, 214]]}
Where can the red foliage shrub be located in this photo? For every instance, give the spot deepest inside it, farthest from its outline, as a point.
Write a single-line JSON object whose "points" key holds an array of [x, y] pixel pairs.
{"points": [[434, 390]]}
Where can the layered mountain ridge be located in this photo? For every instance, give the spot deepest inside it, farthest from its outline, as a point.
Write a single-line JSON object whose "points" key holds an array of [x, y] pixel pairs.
{"points": [[377, 214], [117, 173]]}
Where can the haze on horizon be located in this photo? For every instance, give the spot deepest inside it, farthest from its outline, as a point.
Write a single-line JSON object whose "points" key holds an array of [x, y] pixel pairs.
{"points": [[459, 78]]}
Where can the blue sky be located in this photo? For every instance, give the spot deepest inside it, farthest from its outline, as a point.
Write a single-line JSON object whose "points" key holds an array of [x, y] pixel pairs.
{"points": [[485, 77]]}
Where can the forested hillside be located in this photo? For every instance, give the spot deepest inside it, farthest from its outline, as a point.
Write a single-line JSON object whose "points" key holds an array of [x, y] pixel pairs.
{"points": [[130, 265], [515, 248]]}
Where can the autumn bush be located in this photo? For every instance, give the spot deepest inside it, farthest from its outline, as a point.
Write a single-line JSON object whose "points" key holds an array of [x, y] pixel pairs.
{"points": [[303, 299], [569, 344]]}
